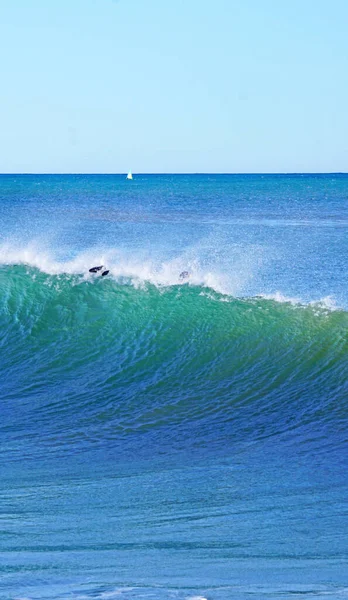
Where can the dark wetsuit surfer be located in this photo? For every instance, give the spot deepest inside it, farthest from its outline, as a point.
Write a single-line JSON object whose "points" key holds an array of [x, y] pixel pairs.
{"points": [[96, 269]]}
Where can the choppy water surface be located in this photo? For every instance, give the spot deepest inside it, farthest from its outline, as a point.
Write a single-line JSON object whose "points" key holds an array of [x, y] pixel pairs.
{"points": [[164, 437]]}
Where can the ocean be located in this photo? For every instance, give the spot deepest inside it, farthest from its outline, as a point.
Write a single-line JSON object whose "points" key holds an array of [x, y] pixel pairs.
{"points": [[167, 437]]}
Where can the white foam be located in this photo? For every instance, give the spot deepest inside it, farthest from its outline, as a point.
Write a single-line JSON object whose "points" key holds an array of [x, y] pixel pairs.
{"points": [[138, 271], [134, 269], [327, 303], [279, 297]]}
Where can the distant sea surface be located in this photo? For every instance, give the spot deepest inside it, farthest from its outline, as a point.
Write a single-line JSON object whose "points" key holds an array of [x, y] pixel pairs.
{"points": [[167, 437]]}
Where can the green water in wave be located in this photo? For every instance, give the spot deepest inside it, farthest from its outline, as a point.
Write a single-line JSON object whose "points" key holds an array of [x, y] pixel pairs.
{"points": [[103, 362]]}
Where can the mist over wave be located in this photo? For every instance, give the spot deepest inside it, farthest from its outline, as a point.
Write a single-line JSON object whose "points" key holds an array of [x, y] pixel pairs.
{"points": [[134, 270]]}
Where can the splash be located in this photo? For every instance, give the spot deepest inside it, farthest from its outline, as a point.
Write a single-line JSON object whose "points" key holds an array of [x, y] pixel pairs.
{"points": [[131, 269], [138, 271]]}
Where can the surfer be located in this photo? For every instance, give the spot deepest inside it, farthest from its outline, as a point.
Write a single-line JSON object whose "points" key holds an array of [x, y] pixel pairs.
{"points": [[96, 269], [184, 275]]}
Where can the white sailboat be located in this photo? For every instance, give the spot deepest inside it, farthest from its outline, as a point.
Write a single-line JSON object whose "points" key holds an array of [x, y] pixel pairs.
{"points": [[129, 176]]}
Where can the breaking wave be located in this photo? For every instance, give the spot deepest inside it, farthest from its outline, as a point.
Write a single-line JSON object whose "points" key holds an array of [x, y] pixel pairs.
{"points": [[97, 361]]}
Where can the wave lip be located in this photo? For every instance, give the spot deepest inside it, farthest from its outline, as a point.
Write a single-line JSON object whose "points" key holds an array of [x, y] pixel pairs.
{"points": [[142, 272], [135, 271], [327, 302]]}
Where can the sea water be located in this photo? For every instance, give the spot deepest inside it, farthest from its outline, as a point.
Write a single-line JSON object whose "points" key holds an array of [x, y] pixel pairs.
{"points": [[165, 437]]}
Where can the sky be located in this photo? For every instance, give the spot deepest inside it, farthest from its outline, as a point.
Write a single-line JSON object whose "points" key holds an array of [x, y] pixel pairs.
{"points": [[184, 86]]}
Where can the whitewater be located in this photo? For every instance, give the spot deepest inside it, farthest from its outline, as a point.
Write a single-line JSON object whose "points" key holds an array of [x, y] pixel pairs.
{"points": [[164, 437]]}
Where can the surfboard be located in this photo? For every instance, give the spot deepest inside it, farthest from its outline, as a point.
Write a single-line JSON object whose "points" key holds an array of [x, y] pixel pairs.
{"points": [[95, 269]]}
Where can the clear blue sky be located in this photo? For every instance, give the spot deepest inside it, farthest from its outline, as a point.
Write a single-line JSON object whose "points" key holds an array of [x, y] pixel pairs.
{"points": [[173, 86]]}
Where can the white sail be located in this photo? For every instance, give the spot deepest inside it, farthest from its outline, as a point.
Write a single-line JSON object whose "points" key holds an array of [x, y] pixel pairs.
{"points": [[130, 176]]}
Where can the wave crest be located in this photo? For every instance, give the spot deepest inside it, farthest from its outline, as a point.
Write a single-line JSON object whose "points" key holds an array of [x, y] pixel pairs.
{"points": [[139, 272]]}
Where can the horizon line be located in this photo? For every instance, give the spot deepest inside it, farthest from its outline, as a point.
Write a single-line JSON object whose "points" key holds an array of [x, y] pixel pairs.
{"points": [[179, 173]]}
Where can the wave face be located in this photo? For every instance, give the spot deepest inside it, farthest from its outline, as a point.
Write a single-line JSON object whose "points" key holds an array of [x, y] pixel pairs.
{"points": [[169, 438], [98, 361]]}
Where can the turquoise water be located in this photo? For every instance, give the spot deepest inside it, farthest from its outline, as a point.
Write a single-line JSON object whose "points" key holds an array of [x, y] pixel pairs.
{"points": [[173, 438]]}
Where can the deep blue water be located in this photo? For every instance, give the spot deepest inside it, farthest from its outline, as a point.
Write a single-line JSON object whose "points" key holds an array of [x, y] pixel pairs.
{"points": [[171, 438]]}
